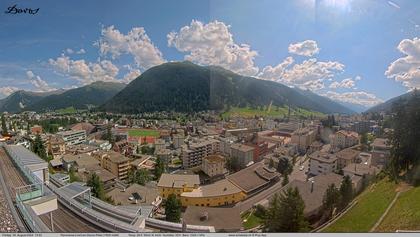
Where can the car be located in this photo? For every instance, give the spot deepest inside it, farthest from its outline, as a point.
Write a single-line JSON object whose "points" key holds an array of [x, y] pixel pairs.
{"points": [[131, 198], [301, 168]]}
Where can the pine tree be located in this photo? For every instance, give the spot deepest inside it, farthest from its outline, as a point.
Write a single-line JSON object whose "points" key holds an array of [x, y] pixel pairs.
{"points": [[39, 148], [97, 186], [3, 125], [331, 200], [159, 168], [346, 192], [285, 213], [173, 208]]}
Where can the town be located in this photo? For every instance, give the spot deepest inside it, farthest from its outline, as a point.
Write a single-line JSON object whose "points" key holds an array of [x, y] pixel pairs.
{"points": [[205, 170]]}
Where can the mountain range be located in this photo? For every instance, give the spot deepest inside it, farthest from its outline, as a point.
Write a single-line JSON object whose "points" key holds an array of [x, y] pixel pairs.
{"points": [[387, 105], [84, 97], [175, 86], [187, 87]]}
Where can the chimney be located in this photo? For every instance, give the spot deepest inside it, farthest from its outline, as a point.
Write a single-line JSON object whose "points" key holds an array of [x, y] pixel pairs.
{"points": [[312, 186]]}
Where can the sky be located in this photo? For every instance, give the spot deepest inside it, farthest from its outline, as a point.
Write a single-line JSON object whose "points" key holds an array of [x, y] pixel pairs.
{"points": [[361, 52]]}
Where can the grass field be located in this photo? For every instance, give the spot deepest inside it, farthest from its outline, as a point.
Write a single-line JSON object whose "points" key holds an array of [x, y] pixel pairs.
{"points": [[274, 112], [371, 205], [404, 214], [252, 220], [143, 133]]}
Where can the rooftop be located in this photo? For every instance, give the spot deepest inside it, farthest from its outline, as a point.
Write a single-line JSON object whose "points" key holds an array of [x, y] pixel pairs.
{"points": [[381, 143], [323, 157], [250, 178], [178, 180], [347, 154], [223, 219], [215, 159], [241, 147], [222, 187]]}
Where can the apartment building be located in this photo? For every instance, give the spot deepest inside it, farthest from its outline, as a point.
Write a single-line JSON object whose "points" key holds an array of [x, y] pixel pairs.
{"points": [[114, 162], [56, 146], [381, 151], [159, 144], [303, 137], [194, 152], [343, 139], [213, 165], [244, 153], [346, 157], [178, 140], [322, 163], [73, 137]]}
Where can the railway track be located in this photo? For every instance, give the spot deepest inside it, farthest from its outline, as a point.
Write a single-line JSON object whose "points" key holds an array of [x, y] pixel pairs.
{"points": [[63, 219]]}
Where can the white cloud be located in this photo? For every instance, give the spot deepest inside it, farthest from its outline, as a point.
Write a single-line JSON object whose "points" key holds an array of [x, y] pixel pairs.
{"points": [[407, 69], [306, 48], [346, 83], [357, 78], [275, 73], [38, 83], [7, 90], [213, 44], [136, 43], [81, 51], [85, 72], [394, 4], [358, 97], [69, 51]]}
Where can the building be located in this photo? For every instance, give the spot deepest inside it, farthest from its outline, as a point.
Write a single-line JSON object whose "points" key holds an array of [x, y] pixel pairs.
{"points": [[225, 143], [303, 137], [177, 184], [315, 146], [115, 163], [254, 178], [159, 145], [313, 191], [78, 162], [123, 147], [37, 129], [346, 157], [381, 150], [343, 139], [56, 146], [322, 163], [244, 154], [73, 137], [222, 219], [193, 153], [102, 144], [213, 165], [220, 193], [178, 140], [89, 128]]}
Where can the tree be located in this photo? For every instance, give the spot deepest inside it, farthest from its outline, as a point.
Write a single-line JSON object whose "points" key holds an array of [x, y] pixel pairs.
{"points": [[284, 167], [285, 213], [72, 175], [232, 164], [364, 141], [285, 179], [404, 139], [108, 135], [173, 208], [97, 186], [39, 148], [346, 192], [331, 200], [159, 168], [3, 125]]}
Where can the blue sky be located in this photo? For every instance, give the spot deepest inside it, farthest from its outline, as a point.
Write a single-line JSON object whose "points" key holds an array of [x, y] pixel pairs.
{"points": [[355, 51]]}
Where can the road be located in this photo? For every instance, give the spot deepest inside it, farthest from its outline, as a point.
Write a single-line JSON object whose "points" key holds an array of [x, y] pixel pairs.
{"points": [[267, 193]]}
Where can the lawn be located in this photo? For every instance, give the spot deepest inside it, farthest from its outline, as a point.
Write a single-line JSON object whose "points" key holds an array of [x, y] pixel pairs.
{"points": [[265, 112], [251, 220], [405, 214], [371, 205], [143, 133]]}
